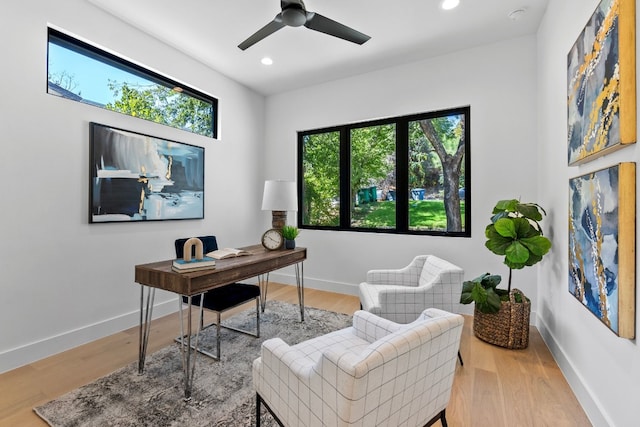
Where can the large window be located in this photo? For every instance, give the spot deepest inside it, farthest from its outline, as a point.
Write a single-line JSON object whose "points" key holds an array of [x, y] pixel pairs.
{"points": [[406, 174], [84, 73]]}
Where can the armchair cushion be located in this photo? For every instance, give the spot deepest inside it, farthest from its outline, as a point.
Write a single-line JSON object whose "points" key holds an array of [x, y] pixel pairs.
{"points": [[376, 372]]}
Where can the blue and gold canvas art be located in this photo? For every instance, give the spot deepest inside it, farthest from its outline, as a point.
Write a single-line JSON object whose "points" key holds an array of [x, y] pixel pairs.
{"points": [[601, 86], [602, 245]]}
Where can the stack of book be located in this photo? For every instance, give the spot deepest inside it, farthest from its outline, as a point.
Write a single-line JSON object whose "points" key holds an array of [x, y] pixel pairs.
{"points": [[182, 266]]}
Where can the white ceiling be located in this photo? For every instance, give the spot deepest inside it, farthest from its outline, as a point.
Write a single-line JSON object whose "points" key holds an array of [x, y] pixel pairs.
{"points": [[401, 31]]}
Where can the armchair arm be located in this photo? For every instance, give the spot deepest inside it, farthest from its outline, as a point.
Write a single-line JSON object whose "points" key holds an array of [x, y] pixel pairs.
{"points": [[278, 356], [370, 327], [279, 368], [434, 313], [407, 276]]}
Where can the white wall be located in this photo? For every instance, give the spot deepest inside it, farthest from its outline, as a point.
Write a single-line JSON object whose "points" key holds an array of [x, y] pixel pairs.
{"points": [[65, 282], [603, 370], [497, 81]]}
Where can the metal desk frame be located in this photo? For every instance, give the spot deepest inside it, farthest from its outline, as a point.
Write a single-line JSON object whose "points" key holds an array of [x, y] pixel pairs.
{"points": [[159, 275]]}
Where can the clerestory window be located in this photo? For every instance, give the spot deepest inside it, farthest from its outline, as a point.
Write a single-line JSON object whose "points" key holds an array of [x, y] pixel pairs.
{"points": [[81, 72]]}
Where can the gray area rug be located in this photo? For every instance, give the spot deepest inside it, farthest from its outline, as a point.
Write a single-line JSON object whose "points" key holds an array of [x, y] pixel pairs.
{"points": [[223, 393]]}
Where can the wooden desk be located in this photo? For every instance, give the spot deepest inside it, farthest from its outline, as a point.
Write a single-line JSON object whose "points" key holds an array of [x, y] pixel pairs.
{"points": [[159, 275]]}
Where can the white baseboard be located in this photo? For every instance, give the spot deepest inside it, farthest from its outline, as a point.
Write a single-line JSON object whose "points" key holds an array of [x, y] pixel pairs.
{"points": [[323, 285], [34, 351], [586, 399]]}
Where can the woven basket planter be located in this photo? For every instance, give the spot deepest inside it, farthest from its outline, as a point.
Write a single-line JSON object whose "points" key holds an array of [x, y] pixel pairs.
{"points": [[507, 328]]}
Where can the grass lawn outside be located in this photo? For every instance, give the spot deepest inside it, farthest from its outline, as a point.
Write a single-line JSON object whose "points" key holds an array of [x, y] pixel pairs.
{"points": [[424, 215]]}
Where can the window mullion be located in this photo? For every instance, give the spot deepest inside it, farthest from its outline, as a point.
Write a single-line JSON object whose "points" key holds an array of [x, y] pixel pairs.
{"points": [[402, 175], [345, 178]]}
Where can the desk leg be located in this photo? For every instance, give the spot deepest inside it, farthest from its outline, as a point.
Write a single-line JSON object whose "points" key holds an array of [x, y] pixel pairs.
{"points": [[189, 359], [300, 286], [145, 324], [263, 284]]}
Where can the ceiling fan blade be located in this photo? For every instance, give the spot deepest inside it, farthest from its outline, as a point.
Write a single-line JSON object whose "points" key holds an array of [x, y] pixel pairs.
{"points": [[317, 22], [263, 32]]}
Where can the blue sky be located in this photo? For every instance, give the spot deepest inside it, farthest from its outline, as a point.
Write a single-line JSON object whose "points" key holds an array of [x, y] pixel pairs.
{"points": [[91, 76]]}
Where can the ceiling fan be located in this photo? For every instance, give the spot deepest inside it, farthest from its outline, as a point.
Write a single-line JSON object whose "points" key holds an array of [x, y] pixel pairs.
{"points": [[294, 14]]}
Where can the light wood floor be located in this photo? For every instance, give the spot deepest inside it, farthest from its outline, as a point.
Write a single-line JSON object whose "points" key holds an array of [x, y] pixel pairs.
{"points": [[495, 387]]}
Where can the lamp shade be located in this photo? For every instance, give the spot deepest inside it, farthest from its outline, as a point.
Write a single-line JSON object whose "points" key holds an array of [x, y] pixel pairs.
{"points": [[279, 196]]}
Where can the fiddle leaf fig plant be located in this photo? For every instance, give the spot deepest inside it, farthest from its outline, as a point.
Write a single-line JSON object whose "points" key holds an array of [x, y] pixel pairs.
{"points": [[515, 233]]}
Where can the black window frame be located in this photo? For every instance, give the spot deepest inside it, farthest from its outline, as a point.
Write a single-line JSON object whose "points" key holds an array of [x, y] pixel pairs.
{"points": [[83, 48], [402, 173]]}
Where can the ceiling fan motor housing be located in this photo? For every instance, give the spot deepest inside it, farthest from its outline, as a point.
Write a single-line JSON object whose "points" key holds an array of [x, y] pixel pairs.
{"points": [[294, 16]]}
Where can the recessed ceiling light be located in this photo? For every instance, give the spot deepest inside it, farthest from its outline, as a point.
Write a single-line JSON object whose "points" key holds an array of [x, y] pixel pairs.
{"points": [[450, 4], [266, 61], [517, 14]]}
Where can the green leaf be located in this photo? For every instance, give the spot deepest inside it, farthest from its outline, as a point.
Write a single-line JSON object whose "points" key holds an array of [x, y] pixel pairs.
{"points": [[496, 243], [499, 215], [533, 259], [505, 206], [530, 210], [524, 228], [539, 245], [482, 290], [517, 253], [506, 227], [466, 297], [491, 281], [490, 303], [478, 293], [514, 265]]}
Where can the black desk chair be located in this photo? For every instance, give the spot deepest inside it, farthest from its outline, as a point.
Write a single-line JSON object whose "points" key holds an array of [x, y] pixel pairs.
{"points": [[220, 299]]}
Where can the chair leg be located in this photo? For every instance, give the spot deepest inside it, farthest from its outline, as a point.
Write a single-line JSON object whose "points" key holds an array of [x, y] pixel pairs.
{"points": [[258, 316], [259, 401], [218, 335], [202, 317], [257, 410], [218, 324], [441, 417], [460, 358]]}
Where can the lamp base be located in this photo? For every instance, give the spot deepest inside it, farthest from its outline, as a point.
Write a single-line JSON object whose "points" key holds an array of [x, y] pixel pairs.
{"points": [[278, 219]]}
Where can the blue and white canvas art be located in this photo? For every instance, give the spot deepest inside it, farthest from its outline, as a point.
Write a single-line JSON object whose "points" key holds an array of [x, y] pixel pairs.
{"points": [[136, 177], [601, 248], [601, 88]]}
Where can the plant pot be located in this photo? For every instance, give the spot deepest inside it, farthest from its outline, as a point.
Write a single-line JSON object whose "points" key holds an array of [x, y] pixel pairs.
{"points": [[289, 244], [507, 328]]}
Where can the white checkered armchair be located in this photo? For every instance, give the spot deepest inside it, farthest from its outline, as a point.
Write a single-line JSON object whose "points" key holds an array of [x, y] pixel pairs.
{"points": [[375, 373], [402, 294]]}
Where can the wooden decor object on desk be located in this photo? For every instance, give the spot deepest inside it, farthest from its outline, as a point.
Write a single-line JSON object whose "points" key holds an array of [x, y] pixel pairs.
{"points": [[200, 262]]}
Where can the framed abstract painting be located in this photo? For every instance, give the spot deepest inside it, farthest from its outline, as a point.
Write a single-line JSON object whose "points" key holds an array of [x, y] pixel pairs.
{"points": [[601, 83], [602, 245], [136, 177]]}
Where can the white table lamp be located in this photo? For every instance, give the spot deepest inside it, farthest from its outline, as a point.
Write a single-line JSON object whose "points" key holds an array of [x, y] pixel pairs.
{"points": [[279, 197]]}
